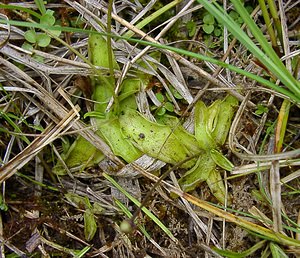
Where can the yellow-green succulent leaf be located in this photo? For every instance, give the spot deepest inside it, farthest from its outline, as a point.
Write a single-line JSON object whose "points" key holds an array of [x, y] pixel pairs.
{"points": [[94, 114], [98, 52], [187, 139], [111, 132], [212, 115], [130, 86], [81, 154], [103, 85], [78, 201], [216, 185], [97, 208], [102, 94], [202, 134], [90, 225], [128, 103], [153, 139], [221, 160], [197, 174], [227, 109]]}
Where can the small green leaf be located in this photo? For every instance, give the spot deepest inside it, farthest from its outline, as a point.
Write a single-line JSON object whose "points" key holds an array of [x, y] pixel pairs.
{"points": [[50, 12], [169, 106], [191, 27], [97, 208], [55, 32], [234, 15], [249, 9], [154, 139], [217, 32], [78, 201], [160, 97], [161, 111], [188, 139], [30, 36], [208, 28], [177, 95], [27, 46], [90, 225], [221, 160], [261, 109], [239, 20], [38, 58], [112, 132], [168, 96], [43, 40], [209, 19], [47, 19], [130, 86]]}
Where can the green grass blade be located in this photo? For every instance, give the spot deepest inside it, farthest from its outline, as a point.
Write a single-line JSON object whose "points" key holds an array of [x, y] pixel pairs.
{"points": [[268, 21], [23, 9], [138, 204], [81, 253], [277, 252], [152, 17], [8, 119], [141, 228], [260, 37], [269, 58], [282, 122], [276, 20], [129, 215], [40, 4], [225, 65], [231, 254], [294, 97]]}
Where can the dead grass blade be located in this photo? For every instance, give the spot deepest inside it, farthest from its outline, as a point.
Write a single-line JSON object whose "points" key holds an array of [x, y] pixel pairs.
{"points": [[176, 56], [48, 136], [264, 232], [56, 107]]}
